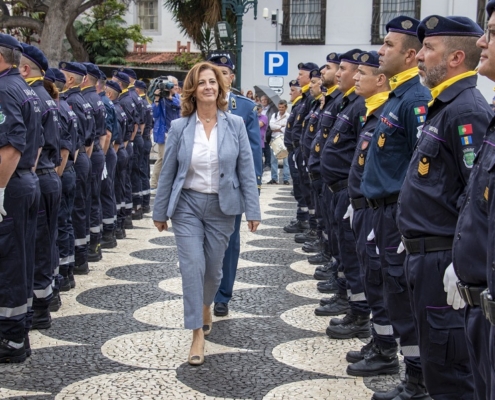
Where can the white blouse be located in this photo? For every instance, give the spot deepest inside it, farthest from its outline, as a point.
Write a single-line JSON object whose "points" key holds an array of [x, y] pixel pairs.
{"points": [[203, 174]]}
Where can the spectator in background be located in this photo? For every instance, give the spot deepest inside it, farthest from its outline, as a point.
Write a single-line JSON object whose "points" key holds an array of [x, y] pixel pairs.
{"points": [[263, 121], [250, 95], [268, 110], [278, 122]]}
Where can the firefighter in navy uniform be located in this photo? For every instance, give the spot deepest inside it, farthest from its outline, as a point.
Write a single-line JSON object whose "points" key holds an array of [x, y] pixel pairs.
{"points": [[74, 74], [88, 91], [435, 184], [328, 115], [20, 139], [373, 86], [107, 194], [389, 153], [32, 67], [145, 159], [336, 159]]}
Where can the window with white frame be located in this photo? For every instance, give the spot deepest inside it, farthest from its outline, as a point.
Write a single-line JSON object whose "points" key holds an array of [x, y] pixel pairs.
{"points": [[148, 15]]}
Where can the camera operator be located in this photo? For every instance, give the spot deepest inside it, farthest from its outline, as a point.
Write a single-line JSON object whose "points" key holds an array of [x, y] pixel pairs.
{"points": [[166, 108]]}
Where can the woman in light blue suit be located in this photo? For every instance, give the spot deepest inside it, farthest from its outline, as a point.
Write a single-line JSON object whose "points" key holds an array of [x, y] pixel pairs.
{"points": [[207, 179]]}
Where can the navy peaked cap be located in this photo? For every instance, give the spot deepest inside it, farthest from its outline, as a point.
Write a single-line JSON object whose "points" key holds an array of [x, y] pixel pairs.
{"points": [[436, 25], [403, 24], [222, 61]]}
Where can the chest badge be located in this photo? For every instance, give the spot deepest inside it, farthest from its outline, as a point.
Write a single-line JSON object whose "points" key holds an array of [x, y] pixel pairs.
{"points": [[233, 103], [424, 166], [317, 147], [485, 194], [298, 117], [364, 145], [361, 160], [381, 140], [311, 128], [336, 138], [325, 133]]}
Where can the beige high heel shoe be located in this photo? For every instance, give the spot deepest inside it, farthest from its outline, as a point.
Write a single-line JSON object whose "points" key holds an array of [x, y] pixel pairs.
{"points": [[199, 357], [207, 320]]}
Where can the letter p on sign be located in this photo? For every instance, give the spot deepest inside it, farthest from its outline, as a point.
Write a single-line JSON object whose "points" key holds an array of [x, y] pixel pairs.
{"points": [[277, 63]]}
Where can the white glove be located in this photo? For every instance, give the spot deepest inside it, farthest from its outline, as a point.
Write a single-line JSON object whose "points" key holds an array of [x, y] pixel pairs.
{"points": [[371, 235], [450, 286], [401, 248], [104, 174], [3, 213], [349, 214]]}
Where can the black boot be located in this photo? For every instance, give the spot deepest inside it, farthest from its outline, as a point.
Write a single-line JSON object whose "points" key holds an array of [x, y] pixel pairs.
{"points": [[56, 302], [320, 258], [354, 356], [128, 222], [72, 280], [312, 247], [119, 229], [352, 326], [329, 286], [338, 305], [12, 352], [307, 236], [298, 227], [41, 319], [27, 344], [414, 389], [108, 240], [94, 251], [146, 209], [82, 269], [377, 362], [137, 213], [65, 282]]}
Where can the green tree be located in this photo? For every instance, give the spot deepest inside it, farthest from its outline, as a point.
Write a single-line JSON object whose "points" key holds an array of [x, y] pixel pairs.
{"points": [[104, 33]]}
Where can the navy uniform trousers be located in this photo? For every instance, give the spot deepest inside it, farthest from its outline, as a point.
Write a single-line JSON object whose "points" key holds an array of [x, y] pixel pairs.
{"points": [[80, 223], [136, 178], [46, 253], [128, 180], [65, 239], [331, 229], [17, 249], [305, 186], [107, 195], [120, 184], [97, 165], [302, 208], [372, 279], [145, 170], [395, 288]]}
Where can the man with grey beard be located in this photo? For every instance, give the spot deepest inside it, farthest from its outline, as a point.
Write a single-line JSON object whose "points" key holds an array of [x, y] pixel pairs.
{"points": [[433, 190]]}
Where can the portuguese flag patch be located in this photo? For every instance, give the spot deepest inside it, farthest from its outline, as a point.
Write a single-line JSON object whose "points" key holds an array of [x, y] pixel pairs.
{"points": [[465, 129]]}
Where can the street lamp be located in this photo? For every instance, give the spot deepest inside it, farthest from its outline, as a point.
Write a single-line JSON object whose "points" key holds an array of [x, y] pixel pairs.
{"points": [[239, 8]]}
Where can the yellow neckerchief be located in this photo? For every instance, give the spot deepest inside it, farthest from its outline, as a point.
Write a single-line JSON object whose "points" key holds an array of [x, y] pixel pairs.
{"points": [[305, 88], [402, 77], [350, 91], [85, 87], [30, 81], [130, 86], [331, 90], [435, 92], [124, 91], [296, 100], [143, 96], [318, 97], [374, 102]]}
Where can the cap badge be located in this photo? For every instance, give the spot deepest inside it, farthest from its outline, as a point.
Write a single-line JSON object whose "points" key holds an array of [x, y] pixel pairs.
{"points": [[332, 56], [407, 24], [432, 23], [223, 60], [365, 57], [63, 65], [355, 56]]}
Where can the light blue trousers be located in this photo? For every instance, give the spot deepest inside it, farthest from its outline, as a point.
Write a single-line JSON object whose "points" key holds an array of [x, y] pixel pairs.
{"points": [[202, 234]]}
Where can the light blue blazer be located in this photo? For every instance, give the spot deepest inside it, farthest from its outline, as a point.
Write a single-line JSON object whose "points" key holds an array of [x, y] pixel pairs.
{"points": [[238, 190]]}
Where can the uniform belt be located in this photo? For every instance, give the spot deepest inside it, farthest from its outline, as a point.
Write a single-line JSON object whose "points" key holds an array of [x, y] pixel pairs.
{"points": [[336, 187], [359, 203], [314, 176], [488, 306], [428, 244], [470, 294], [82, 149], [44, 171], [385, 201], [69, 169], [22, 171]]}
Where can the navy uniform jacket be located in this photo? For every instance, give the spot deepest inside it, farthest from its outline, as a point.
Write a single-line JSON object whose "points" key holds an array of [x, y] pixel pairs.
{"points": [[325, 122], [128, 105], [471, 238], [148, 117], [290, 125], [98, 108], [396, 135], [111, 123], [20, 117], [303, 108], [84, 112], [339, 148], [50, 153], [243, 107], [121, 117], [310, 128], [68, 130], [138, 101], [430, 199], [359, 160]]}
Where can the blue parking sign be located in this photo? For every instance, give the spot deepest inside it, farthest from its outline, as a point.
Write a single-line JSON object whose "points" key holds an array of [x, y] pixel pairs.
{"points": [[277, 63]]}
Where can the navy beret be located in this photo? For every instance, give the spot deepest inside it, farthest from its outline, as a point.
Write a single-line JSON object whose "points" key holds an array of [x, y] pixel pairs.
{"points": [[322, 67], [35, 55], [181, 84], [333, 58], [103, 76], [369, 58], [114, 85], [73, 67], [121, 76], [436, 25], [307, 66], [130, 72], [351, 56], [490, 7], [10, 42], [294, 83], [315, 73], [140, 85], [222, 61], [49, 75], [57, 75], [403, 24], [92, 70]]}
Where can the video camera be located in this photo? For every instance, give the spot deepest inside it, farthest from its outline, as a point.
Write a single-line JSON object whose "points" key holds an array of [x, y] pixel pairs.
{"points": [[163, 84]]}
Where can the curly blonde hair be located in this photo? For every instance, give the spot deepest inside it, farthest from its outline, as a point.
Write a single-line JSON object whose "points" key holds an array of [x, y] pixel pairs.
{"points": [[188, 102]]}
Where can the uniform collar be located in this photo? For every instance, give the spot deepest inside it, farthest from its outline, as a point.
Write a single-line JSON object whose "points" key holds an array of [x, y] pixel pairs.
{"points": [[88, 89], [449, 89], [331, 90], [400, 90], [397, 80], [10, 71], [74, 89]]}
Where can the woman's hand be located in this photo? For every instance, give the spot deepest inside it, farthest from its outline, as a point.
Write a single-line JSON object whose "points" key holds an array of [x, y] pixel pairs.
{"points": [[252, 225], [161, 226]]}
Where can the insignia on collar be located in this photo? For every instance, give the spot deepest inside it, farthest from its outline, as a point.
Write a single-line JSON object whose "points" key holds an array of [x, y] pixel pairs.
{"points": [[432, 23], [407, 24]]}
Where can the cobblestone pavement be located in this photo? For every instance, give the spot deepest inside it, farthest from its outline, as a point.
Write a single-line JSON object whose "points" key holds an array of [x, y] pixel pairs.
{"points": [[119, 333]]}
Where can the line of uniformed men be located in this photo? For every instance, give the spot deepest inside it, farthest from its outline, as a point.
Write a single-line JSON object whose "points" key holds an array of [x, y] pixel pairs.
{"points": [[392, 168], [74, 173]]}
